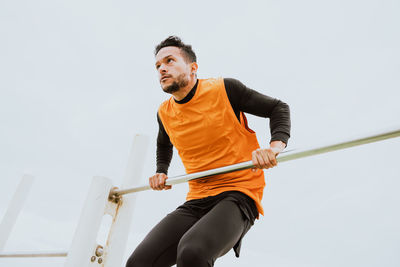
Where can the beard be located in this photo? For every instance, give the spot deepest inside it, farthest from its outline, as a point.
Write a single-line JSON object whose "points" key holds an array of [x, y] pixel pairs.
{"points": [[177, 84]]}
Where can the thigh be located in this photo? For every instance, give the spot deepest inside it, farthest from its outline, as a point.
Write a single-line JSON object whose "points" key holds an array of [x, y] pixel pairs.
{"points": [[216, 232], [159, 246]]}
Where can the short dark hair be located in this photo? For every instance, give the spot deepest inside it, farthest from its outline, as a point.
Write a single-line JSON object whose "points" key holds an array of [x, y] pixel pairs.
{"points": [[186, 50]]}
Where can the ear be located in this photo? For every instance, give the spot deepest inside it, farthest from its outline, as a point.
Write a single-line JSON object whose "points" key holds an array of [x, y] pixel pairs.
{"points": [[193, 67]]}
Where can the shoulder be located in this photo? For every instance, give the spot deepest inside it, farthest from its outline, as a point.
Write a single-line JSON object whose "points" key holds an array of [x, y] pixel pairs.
{"points": [[210, 86], [232, 83], [235, 89], [165, 105], [212, 82]]}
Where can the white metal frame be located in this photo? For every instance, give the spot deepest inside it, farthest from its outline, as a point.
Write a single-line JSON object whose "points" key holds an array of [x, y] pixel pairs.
{"points": [[84, 250], [16, 204]]}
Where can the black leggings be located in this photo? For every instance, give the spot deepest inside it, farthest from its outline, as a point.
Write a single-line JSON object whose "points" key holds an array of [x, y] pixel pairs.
{"points": [[188, 239]]}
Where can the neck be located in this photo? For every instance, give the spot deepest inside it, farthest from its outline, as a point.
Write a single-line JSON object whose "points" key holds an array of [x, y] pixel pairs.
{"points": [[182, 92]]}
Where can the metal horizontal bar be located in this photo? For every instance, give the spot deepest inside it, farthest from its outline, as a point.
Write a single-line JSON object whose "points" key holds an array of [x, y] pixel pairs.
{"points": [[34, 254], [283, 157]]}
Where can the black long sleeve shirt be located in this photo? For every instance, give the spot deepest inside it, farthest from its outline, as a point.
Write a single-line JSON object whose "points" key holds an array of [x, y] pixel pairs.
{"points": [[243, 99]]}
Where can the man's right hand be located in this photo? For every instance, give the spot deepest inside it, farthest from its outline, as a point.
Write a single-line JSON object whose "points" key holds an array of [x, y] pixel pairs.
{"points": [[157, 182]]}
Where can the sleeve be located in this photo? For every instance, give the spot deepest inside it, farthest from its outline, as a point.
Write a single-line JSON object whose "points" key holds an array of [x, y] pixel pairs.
{"points": [[250, 101], [164, 149]]}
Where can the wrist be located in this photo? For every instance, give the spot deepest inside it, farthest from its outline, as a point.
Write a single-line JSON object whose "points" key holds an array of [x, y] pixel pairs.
{"points": [[277, 146]]}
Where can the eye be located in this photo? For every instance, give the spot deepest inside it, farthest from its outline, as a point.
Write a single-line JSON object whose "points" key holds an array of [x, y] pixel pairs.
{"points": [[169, 60]]}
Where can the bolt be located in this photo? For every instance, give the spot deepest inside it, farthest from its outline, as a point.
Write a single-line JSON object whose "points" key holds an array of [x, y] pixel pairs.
{"points": [[100, 260], [93, 258], [99, 251], [112, 197]]}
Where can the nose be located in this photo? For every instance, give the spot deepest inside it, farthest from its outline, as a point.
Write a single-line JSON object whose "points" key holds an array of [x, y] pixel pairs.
{"points": [[162, 69]]}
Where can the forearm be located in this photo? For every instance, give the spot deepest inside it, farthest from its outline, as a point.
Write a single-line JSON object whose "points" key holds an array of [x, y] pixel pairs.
{"points": [[279, 122], [163, 159]]}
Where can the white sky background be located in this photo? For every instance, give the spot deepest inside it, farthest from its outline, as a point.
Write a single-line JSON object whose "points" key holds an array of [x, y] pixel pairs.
{"points": [[78, 81]]}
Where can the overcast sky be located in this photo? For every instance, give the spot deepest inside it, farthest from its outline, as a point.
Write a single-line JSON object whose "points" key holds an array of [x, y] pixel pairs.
{"points": [[78, 82]]}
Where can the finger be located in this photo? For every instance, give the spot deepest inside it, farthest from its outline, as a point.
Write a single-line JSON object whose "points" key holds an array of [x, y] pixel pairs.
{"points": [[255, 159], [154, 183], [272, 157], [160, 183], [162, 177], [261, 161], [151, 182], [166, 187], [269, 158], [265, 160]]}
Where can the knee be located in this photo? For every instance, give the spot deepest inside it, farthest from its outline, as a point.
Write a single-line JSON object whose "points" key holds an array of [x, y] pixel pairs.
{"points": [[137, 260], [191, 255], [131, 262]]}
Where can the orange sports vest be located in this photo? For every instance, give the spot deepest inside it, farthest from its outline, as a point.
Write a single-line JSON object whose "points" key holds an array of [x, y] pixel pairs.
{"points": [[208, 135]]}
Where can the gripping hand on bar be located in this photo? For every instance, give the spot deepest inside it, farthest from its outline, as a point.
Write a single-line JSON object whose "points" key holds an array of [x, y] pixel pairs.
{"points": [[261, 159], [266, 158], [157, 182]]}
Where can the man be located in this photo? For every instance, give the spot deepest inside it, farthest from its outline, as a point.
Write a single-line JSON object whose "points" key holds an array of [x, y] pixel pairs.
{"points": [[204, 120]]}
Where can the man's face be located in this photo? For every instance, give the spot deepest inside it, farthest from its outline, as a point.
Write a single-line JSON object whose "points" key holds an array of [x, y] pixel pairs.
{"points": [[173, 71]]}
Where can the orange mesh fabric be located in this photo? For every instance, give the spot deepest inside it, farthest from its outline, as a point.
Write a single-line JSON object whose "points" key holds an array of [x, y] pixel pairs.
{"points": [[208, 135]]}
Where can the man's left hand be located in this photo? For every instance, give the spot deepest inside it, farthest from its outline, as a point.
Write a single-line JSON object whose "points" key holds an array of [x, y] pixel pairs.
{"points": [[266, 158]]}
